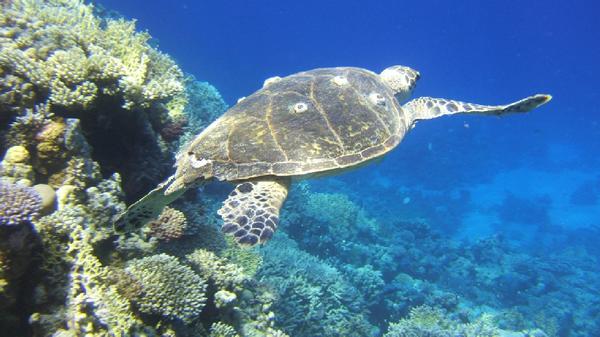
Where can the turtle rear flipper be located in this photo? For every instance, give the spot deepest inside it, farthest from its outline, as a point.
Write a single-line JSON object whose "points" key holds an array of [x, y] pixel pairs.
{"points": [[147, 208], [429, 107], [251, 212]]}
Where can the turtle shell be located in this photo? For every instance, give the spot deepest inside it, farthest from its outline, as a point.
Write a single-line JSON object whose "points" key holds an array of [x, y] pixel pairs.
{"points": [[313, 121]]}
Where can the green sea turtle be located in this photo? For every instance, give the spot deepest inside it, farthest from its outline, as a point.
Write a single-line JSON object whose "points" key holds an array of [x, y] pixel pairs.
{"points": [[313, 122]]}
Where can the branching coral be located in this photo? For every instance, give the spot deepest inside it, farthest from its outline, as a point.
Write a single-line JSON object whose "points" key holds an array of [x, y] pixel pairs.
{"points": [[59, 63], [220, 329], [242, 302], [426, 321], [169, 288], [313, 299], [223, 274], [58, 51], [18, 204]]}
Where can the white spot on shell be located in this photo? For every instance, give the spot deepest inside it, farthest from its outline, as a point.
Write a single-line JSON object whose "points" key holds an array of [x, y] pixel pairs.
{"points": [[300, 107], [377, 98], [340, 80], [241, 99], [195, 163], [271, 80]]}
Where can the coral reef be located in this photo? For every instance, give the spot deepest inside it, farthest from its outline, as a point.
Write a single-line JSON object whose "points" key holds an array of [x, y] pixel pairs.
{"points": [[171, 224], [59, 52], [239, 300], [314, 299], [431, 322], [59, 62], [91, 116], [18, 204], [168, 287]]}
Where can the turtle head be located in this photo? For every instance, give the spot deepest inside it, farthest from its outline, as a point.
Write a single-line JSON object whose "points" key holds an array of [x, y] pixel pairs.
{"points": [[191, 171], [401, 79]]}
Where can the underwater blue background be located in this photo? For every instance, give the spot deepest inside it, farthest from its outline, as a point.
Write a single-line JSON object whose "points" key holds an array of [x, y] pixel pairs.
{"points": [[531, 176]]}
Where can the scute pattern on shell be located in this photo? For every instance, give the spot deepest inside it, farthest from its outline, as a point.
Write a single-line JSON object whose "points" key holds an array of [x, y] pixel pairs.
{"points": [[337, 126]]}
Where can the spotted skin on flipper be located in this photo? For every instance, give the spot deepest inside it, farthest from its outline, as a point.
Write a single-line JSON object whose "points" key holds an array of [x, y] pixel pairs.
{"points": [[251, 212], [428, 107]]}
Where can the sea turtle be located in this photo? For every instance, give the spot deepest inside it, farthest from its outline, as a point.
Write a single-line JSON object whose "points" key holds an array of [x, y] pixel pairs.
{"points": [[313, 122]]}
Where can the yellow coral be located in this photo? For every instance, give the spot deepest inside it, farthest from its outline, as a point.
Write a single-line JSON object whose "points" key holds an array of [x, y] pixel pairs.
{"points": [[16, 155], [220, 329], [50, 141], [60, 50], [16, 167], [223, 274]]}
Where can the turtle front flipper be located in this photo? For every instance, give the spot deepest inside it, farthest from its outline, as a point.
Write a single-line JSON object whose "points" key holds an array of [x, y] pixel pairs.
{"points": [[251, 212], [148, 207], [428, 107]]}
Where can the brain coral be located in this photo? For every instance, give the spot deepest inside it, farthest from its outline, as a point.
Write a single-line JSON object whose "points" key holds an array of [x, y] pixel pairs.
{"points": [[169, 288], [18, 204]]}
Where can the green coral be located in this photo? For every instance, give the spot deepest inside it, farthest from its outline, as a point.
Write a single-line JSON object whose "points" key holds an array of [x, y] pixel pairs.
{"points": [[248, 259], [169, 288]]}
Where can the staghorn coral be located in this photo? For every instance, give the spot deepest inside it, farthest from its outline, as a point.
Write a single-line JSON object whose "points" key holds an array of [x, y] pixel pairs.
{"points": [[18, 204], [169, 288], [170, 225]]}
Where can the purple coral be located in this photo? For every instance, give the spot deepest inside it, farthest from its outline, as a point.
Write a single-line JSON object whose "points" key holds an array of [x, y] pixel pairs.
{"points": [[18, 204]]}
